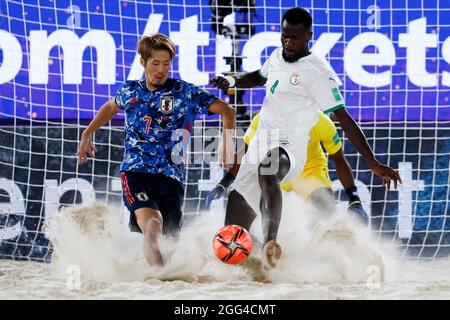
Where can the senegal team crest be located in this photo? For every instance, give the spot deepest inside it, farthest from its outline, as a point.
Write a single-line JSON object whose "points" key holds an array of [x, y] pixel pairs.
{"points": [[166, 105], [295, 79]]}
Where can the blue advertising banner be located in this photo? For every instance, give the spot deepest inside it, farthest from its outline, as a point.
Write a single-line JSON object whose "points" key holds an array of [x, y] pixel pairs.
{"points": [[62, 59]]}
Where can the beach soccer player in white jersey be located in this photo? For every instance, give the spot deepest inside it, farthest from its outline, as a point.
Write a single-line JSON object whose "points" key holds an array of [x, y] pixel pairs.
{"points": [[298, 85]]}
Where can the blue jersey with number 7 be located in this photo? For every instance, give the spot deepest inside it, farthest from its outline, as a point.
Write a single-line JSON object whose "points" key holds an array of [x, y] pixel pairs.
{"points": [[154, 124]]}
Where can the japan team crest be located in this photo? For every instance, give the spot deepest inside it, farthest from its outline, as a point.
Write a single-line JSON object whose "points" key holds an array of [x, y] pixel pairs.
{"points": [[142, 196], [166, 105], [295, 79]]}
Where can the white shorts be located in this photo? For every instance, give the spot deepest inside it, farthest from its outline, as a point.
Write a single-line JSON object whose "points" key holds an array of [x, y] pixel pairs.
{"points": [[246, 182]]}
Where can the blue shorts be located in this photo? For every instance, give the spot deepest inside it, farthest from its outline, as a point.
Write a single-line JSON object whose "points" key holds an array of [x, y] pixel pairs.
{"points": [[145, 190]]}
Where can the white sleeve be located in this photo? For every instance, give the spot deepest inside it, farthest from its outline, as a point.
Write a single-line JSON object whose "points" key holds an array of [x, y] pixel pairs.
{"points": [[264, 71], [325, 91]]}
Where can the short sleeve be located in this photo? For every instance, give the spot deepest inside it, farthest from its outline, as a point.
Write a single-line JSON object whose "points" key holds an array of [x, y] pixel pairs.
{"points": [[264, 71], [325, 91], [202, 99], [122, 95], [328, 134], [251, 130]]}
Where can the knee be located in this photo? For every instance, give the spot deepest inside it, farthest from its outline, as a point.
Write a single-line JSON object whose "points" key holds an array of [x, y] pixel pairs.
{"points": [[268, 183], [274, 167], [267, 171], [268, 168], [284, 165]]}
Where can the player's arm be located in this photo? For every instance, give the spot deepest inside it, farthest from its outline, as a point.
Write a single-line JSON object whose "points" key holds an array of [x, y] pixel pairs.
{"points": [[333, 145], [241, 80], [345, 175], [324, 90], [329, 137], [343, 170], [249, 134], [231, 174], [245, 79], [220, 188], [106, 112], [357, 138], [226, 145]]}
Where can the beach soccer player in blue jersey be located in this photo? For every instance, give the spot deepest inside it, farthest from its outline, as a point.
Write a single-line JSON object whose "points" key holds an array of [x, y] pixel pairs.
{"points": [[160, 112]]}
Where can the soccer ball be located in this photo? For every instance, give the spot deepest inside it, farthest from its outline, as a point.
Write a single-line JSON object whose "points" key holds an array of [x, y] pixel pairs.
{"points": [[232, 244]]}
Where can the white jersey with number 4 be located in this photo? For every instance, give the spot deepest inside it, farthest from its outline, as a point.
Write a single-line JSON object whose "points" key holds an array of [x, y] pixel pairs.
{"points": [[295, 92]]}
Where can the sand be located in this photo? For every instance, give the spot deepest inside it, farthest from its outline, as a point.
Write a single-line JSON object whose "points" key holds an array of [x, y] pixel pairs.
{"points": [[325, 256]]}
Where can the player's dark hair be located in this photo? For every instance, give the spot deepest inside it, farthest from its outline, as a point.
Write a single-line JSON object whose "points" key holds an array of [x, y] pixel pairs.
{"points": [[157, 41], [296, 16]]}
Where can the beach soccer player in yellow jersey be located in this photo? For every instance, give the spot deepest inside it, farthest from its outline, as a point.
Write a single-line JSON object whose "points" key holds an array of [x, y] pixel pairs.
{"points": [[313, 183], [298, 85]]}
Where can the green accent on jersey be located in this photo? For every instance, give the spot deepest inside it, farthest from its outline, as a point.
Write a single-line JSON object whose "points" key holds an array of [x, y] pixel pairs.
{"points": [[339, 106], [274, 86], [336, 139], [336, 94]]}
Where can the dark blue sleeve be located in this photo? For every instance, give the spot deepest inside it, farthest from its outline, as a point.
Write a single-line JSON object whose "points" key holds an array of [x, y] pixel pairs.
{"points": [[122, 95], [202, 99]]}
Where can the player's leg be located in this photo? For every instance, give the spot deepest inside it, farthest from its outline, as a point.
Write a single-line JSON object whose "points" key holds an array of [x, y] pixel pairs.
{"points": [[239, 211], [355, 207], [314, 185], [169, 196], [271, 172], [243, 198], [145, 216], [150, 222]]}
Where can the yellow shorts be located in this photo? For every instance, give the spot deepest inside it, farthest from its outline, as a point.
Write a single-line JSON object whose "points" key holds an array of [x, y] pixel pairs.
{"points": [[309, 180]]}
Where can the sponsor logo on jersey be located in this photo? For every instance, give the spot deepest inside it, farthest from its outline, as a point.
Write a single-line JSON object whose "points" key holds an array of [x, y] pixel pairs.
{"points": [[166, 104], [142, 196], [295, 79]]}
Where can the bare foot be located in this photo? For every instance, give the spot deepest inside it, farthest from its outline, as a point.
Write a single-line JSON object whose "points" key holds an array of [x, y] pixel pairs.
{"points": [[271, 253]]}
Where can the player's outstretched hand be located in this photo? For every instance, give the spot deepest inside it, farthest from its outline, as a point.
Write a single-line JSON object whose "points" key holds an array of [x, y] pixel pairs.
{"points": [[214, 194], [86, 148], [386, 174], [219, 82]]}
